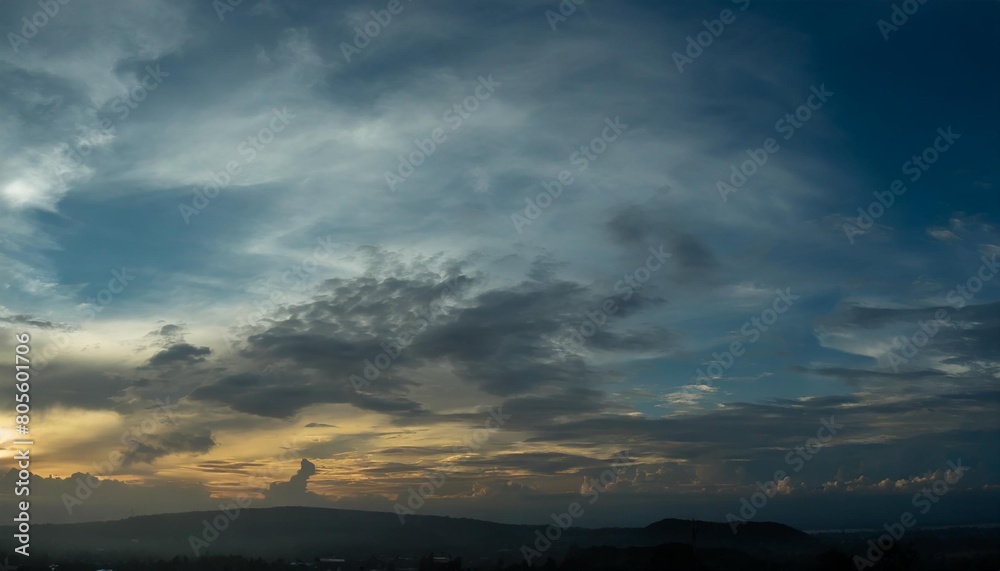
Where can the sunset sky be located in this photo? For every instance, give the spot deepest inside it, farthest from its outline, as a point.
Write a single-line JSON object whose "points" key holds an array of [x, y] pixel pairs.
{"points": [[235, 211]]}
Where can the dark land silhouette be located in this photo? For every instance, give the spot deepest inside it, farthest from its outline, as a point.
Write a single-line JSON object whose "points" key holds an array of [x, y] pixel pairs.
{"points": [[329, 539]]}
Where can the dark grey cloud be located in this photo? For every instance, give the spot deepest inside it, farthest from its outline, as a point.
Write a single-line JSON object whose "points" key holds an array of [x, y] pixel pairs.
{"points": [[538, 463], [968, 337], [505, 340], [760, 434], [147, 448], [168, 334], [231, 467], [27, 320], [282, 395], [75, 382], [635, 228], [181, 353], [693, 257], [876, 317], [630, 226]]}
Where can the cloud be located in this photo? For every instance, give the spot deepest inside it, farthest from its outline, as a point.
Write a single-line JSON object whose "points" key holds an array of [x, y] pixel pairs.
{"points": [[293, 492], [99, 498], [147, 448], [180, 353], [27, 320]]}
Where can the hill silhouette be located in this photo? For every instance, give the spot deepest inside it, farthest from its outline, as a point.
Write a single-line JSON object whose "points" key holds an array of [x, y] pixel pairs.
{"points": [[307, 533]]}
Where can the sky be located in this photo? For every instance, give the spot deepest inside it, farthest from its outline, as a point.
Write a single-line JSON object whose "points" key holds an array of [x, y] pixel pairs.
{"points": [[464, 259]]}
